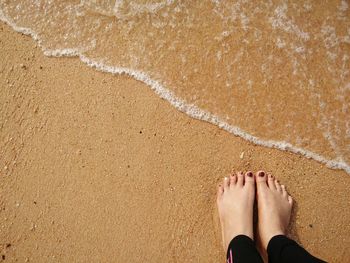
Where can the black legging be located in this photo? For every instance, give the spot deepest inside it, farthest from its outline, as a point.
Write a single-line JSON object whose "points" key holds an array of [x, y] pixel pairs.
{"points": [[280, 250]]}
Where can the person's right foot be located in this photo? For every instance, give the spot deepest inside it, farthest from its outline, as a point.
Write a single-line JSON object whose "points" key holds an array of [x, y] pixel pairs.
{"points": [[274, 207]]}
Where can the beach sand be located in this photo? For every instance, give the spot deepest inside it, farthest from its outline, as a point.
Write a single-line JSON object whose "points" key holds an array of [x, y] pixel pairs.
{"points": [[97, 168]]}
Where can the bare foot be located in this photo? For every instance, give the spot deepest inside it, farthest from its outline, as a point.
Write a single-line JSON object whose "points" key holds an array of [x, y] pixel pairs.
{"points": [[274, 207], [235, 201]]}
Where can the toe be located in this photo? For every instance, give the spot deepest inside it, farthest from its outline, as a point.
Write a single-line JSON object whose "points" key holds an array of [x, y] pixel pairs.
{"points": [[260, 177], [240, 178], [278, 185], [271, 182], [233, 180], [290, 199], [220, 191], [249, 178], [284, 191], [226, 183]]}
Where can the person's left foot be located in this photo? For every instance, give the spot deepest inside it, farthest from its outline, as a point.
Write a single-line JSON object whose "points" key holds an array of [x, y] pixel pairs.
{"points": [[235, 200]]}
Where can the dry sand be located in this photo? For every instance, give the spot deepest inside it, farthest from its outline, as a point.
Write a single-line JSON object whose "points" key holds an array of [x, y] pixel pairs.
{"points": [[97, 168]]}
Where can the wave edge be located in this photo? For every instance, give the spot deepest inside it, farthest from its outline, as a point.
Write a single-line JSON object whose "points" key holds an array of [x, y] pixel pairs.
{"points": [[180, 104]]}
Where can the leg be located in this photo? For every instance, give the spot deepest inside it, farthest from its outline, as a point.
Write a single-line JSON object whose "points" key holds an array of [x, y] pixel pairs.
{"points": [[283, 249], [242, 250], [235, 202], [274, 210]]}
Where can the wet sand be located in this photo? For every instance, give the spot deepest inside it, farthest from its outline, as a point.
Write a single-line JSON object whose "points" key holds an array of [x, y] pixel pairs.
{"points": [[96, 167]]}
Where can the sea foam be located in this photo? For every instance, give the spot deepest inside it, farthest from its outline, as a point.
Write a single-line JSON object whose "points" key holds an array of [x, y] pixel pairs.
{"points": [[180, 104]]}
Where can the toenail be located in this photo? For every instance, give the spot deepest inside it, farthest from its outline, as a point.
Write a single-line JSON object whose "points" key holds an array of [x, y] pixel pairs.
{"points": [[250, 174], [261, 174], [226, 178]]}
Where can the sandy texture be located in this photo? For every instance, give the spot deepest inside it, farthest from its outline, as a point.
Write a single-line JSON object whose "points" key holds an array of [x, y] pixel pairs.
{"points": [[97, 168]]}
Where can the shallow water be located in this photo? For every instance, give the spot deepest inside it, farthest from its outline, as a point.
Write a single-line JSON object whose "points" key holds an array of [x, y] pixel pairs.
{"points": [[273, 72]]}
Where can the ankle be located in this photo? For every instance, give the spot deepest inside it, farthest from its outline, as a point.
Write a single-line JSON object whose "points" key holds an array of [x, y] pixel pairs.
{"points": [[271, 235]]}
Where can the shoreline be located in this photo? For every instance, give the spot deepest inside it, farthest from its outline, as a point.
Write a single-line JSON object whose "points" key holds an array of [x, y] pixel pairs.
{"points": [[189, 109]]}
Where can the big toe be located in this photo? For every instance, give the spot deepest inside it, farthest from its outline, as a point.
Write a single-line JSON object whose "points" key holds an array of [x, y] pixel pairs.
{"points": [[261, 177], [249, 178], [261, 181]]}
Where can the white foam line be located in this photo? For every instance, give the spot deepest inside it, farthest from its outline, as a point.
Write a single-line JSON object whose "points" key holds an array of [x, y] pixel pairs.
{"points": [[24, 30], [190, 109]]}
